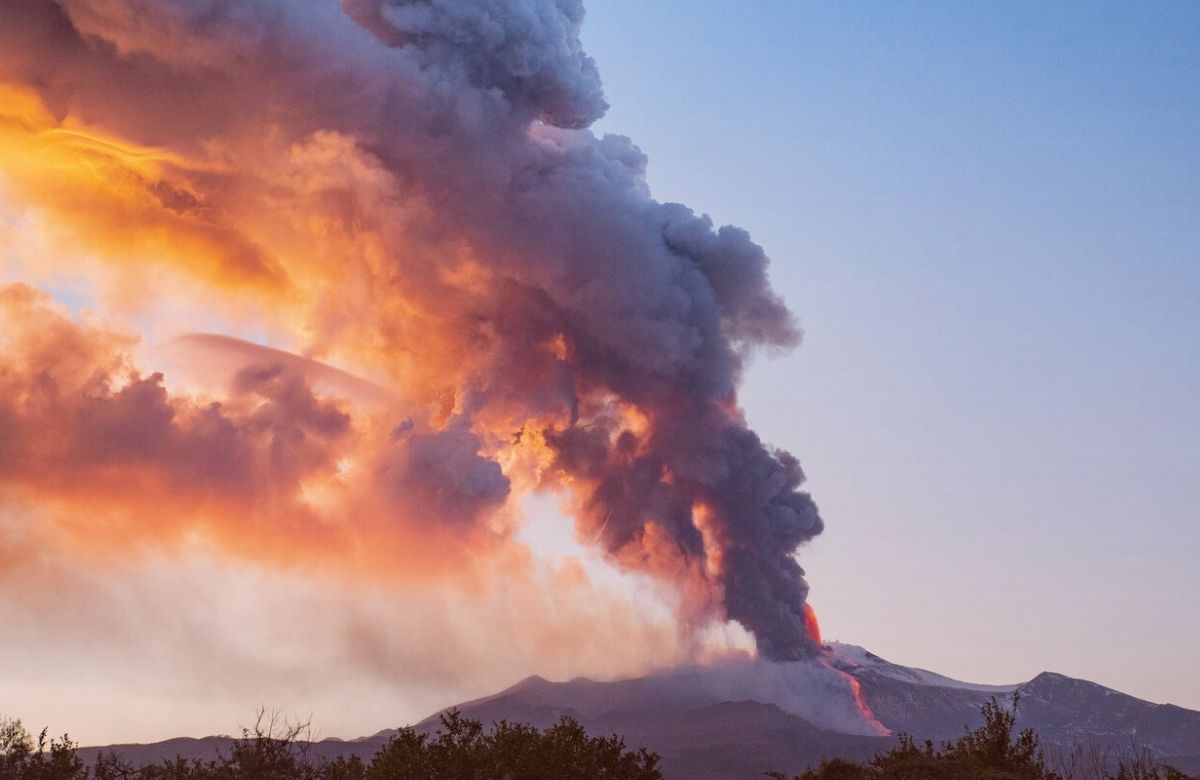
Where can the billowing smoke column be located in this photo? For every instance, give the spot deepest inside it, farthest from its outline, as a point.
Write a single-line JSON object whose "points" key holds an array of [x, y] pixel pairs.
{"points": [[476, 236]]}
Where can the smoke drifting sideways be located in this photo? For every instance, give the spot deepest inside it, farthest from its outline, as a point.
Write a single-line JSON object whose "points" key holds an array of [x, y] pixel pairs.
{"points": [[409, 188]]}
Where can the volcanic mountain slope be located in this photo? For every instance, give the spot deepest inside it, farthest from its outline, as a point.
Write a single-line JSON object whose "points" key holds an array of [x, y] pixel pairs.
{"points": [[696, 719], [915, 701], [739, 718], [1064, 711], [685, 717]]}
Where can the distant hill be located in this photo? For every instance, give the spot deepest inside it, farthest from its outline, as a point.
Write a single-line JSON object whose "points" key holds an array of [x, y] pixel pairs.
{"points": [[739, 718]]}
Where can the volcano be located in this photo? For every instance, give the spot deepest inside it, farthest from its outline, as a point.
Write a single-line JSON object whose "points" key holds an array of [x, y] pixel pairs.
{"points": [[740, 717]]}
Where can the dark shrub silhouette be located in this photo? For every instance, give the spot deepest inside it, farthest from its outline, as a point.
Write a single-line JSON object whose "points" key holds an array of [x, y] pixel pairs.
{"points": [[462, 750], [994, 751], [23, 759]]}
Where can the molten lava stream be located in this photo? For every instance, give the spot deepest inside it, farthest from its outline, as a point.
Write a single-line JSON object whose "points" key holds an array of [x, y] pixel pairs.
{"points": [[860, 700], [864, 709], [810, 622]]}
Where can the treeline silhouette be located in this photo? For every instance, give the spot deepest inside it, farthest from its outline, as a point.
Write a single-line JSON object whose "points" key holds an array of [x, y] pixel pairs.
{"points": [[462, 750], [994, 751]]}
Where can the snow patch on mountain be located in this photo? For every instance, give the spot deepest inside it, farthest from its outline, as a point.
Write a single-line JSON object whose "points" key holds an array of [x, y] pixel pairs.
{"points": [[855, 659]]}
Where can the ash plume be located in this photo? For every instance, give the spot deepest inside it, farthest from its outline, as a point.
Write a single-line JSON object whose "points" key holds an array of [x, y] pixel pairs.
{"points": [[410, 185]]}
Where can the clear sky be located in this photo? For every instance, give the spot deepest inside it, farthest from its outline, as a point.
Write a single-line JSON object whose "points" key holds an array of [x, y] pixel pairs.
{"points": [[987, 217]]}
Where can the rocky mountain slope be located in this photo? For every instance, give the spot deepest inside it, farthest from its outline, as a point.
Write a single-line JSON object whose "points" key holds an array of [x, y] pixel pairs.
{"points": [[739, 718]]}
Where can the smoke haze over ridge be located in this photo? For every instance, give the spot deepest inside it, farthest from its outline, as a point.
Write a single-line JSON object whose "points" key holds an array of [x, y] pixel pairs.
{"points": [[407, 190]]}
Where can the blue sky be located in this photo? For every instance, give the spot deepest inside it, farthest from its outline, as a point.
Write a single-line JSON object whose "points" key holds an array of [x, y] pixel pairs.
{"points": [[987, 217]]}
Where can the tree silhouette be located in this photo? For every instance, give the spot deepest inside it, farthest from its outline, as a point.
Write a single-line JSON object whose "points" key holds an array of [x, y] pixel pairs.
{"points": [[994, 751], [274, 749]]}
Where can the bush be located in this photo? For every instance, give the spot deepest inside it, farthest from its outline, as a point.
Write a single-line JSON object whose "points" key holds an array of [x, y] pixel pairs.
{"points": [[23, 759], [510, 750], [991, 752], [461, 750]]}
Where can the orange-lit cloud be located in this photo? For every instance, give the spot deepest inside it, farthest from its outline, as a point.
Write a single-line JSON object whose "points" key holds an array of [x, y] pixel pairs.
{"points": [[136, 205], [272, 472]]}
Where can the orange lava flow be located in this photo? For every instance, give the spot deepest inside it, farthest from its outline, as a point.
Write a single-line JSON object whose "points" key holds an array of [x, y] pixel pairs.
{"points": [[860, 699], [810, 622], [864, 709]]}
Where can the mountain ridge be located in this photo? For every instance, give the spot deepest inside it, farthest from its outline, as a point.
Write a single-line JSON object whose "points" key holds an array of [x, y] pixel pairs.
{"points": [[738, 718]]}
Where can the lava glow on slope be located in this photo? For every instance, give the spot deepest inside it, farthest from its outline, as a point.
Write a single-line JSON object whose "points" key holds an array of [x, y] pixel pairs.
{"points": [[860, 700], [810, 622], [863, 707]]}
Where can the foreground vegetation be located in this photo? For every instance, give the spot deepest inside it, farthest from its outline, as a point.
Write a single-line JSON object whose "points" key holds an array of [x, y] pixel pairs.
{"points": [[461, 750], [994, 751], [464, 750]]}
